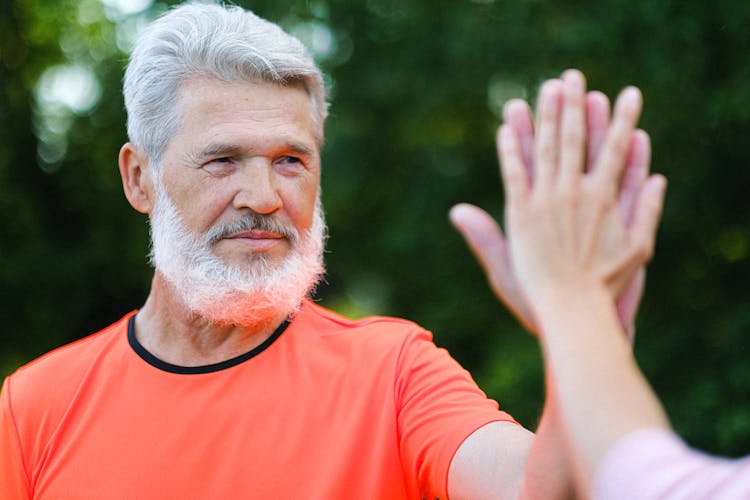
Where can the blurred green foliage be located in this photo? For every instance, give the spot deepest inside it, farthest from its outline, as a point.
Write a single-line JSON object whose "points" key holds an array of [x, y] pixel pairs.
{"points": [[416, 88]]}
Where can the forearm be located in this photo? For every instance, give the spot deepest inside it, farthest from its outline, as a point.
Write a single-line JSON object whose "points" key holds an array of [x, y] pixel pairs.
{"points": [[549, 473], [601, 393]]}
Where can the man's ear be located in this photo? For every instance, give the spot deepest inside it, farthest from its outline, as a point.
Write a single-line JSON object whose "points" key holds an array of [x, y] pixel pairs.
{"points": [[137, 178]]}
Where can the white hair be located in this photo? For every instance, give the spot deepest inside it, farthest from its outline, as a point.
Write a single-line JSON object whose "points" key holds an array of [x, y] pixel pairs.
{"points": [[208, 40]]}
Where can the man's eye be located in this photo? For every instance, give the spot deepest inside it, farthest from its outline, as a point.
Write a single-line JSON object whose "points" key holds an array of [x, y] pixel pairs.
{"points": [[290, 164], [219, 166]]}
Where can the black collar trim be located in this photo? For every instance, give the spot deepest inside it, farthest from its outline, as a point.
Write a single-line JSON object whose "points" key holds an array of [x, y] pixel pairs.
{"points": [[194, 370]]}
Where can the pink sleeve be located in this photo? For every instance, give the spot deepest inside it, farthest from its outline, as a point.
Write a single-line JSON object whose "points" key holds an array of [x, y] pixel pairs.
{"points": [[655, 464]]}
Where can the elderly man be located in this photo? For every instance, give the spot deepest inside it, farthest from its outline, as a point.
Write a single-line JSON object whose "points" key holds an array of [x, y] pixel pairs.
{"points": [[228, 383]]}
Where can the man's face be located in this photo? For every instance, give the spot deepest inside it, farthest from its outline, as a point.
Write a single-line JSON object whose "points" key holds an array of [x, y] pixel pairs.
{"points": [[235, 226], [243, 148]]}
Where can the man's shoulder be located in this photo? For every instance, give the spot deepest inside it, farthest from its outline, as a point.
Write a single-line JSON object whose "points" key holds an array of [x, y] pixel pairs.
{"points": [[328, 322], [39, 394], [57, 367]]}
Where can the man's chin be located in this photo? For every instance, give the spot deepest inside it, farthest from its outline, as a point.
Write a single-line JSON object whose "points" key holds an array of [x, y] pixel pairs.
{"points": [[247, 309]]}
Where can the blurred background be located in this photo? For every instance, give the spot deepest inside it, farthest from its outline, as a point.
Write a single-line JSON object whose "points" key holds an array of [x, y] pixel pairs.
{"points": [[417, 87]]}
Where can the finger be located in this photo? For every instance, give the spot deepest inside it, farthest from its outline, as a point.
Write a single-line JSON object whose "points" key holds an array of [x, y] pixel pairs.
{"points": [[646, 217], [488, 244], [597, 124], [512, 169], [547, 134], [614, 151], [642, 233], [573, 127], [636, 172], [517, 114]]}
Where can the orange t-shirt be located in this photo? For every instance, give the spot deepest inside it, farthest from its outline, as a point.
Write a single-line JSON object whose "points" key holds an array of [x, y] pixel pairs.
{"points": [[327, 408]]}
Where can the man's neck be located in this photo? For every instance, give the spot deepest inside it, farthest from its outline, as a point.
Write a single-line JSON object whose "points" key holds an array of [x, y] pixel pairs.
{"points": [[174, 334]]}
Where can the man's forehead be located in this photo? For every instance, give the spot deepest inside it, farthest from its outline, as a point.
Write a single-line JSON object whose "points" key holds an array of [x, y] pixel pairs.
{"points": [[218, 116]]}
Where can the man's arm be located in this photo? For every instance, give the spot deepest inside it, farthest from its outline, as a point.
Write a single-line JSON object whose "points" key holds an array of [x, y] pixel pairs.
{"points": [[479, 472], [500, 461]]}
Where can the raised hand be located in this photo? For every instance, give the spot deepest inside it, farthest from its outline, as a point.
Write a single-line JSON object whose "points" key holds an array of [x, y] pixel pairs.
{"points": [[574, 246], [486, 239], [566, 228]]}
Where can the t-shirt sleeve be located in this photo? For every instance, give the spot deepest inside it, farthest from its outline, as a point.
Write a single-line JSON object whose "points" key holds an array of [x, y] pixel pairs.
{"points": [[655, 464], [13, 479], [439, 406]]}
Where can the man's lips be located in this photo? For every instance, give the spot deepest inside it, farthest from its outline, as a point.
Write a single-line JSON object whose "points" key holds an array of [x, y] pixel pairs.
{"points": [[256, 239], [255, 234]]}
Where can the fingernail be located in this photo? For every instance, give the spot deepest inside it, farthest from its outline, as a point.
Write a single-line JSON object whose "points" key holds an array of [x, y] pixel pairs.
{"points": [[573, 77], [549, 92], [550, 86], [506, 110], [662, 183], [454, 214], [631, 95]]}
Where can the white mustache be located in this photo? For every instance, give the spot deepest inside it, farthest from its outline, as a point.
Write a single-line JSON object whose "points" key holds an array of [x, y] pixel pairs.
{"points": [[252, 221]]}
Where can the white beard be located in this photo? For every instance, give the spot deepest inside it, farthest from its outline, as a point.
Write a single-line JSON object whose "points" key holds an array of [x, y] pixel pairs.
{"points": [[250, 295]]}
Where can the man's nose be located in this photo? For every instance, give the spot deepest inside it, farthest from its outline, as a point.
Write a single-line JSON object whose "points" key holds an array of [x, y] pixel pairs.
{"points": [[258, 189]]}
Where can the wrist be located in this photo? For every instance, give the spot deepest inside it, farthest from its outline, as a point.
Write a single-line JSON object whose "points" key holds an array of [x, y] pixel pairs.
{"points": [[574, 319], [551, 300]]}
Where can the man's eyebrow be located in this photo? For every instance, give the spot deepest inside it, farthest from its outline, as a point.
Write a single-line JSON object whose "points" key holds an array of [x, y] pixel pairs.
{"points": [[229, 149], [218, 149], [301, 149]]}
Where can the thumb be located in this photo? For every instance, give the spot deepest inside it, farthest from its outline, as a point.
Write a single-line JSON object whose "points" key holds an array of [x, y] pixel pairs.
{"points": [[482, 234], [488, 244]]}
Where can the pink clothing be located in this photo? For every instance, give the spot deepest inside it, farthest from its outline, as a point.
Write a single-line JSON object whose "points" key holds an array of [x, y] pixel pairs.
{"points": [[655, 464]]}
